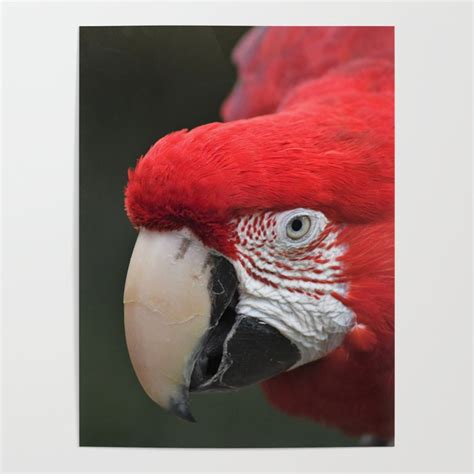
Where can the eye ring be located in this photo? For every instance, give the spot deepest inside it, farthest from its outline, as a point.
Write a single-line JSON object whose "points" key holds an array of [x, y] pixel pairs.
{"points": [[298, 227]]}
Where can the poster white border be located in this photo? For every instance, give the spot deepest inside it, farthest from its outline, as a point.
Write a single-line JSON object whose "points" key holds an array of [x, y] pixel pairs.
{"points": [[40, 241]]}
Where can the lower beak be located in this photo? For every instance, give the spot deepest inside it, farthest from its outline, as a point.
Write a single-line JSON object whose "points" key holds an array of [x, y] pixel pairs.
{"points": [[182, 328]]}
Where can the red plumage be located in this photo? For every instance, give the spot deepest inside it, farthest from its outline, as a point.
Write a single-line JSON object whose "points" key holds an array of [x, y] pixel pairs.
{"points": [[326, 143], [273, 61], [353, 387]]}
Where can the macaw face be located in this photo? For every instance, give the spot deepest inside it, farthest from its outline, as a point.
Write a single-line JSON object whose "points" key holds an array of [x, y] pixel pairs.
{"points": [[262, 241], [197, 319]]}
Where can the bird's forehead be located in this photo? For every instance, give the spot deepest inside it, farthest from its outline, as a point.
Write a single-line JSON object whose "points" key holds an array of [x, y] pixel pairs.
{"points": [[217, 171]]}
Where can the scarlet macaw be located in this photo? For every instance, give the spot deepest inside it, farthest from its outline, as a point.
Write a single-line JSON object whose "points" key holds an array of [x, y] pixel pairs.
{"points": [[266, 242]]}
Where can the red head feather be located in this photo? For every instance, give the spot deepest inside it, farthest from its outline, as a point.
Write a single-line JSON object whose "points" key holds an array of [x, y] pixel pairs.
{"points": [[330, 148]]}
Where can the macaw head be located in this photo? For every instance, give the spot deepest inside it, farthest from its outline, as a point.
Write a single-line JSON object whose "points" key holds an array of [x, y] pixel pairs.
{"points": [[263, 243]]}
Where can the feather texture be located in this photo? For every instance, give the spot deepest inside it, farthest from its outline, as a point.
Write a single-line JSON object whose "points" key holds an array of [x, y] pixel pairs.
{"points": [[310, 124]]}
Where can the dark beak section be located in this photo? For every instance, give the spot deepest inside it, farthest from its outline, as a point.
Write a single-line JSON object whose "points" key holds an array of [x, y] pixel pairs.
{"points": [[238, 350], [239, 354]]}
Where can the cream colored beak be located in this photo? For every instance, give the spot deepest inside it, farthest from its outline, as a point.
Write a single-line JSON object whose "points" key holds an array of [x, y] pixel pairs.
{"points": [[167, 312], [183, 328]]}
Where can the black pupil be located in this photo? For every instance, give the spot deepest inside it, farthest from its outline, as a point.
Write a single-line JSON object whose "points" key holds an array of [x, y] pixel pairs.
{"points": [[296, 225]]}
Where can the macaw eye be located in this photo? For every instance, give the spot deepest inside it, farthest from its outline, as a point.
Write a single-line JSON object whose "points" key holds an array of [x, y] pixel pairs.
{"points": [[298, 227]]}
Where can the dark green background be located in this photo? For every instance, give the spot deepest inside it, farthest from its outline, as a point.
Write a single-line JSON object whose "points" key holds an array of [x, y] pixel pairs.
{"points": [[136, 85]]}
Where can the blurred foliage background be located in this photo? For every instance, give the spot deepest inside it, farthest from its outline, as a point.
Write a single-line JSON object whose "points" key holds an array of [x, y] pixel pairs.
{"points": [[136, 85]]}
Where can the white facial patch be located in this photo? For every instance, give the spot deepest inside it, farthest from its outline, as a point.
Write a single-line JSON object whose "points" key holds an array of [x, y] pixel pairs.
{"points": [[289, 270]]}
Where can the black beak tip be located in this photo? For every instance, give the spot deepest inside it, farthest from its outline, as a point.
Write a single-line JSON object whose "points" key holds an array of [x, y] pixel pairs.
{"points": [[179, 406]]}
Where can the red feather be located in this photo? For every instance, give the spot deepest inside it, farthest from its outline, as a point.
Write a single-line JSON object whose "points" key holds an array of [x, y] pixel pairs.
{"points": [[273, 61], [326, 143], [353, 387]]}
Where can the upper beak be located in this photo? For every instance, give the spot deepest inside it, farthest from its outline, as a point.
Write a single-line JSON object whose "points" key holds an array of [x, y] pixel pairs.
{"points": [[182, 329]]}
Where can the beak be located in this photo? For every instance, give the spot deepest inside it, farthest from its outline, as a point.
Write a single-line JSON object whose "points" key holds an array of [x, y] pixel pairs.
{"points": [[182, 325]]}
